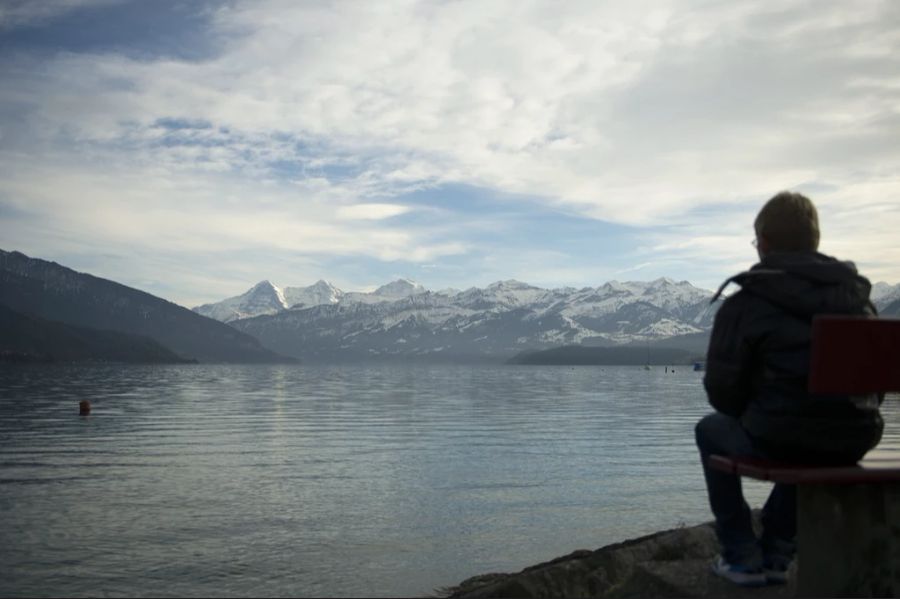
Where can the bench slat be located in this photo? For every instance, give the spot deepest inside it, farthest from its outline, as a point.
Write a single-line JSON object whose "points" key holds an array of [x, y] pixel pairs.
{"points": [[881, 470]]}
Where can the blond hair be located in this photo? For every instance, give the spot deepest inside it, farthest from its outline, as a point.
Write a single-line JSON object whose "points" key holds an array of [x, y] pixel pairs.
{"points": [[789, 222]]}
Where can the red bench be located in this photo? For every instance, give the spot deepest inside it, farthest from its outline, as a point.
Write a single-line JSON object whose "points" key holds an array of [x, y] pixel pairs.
{"points": [[848, 517]]}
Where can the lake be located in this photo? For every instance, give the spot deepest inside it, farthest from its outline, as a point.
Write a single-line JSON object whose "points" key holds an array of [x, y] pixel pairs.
{"points": [[202, 480]]}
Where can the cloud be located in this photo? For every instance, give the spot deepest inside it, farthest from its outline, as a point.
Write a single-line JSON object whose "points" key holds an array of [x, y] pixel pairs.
{"points": [[200, 212], [19, 13], [311, 120], [576, 105], [371, 211]]}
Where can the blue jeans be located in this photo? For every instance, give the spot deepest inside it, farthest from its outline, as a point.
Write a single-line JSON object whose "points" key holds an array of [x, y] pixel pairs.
{"points": [[724, 435]]}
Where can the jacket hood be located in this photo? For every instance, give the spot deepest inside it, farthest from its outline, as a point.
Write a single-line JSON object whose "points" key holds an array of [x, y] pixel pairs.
{"points": [[806, 283]]}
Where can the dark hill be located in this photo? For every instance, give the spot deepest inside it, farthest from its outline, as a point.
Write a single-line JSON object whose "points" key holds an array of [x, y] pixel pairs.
{"points": [[53, 292], [696, 343], [28, 338]]}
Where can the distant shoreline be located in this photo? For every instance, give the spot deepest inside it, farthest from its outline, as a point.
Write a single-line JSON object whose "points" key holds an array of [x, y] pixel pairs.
{"points": [[575, 355]]}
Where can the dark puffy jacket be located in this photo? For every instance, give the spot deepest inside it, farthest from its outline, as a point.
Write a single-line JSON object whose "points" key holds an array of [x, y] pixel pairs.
{"points": [[758, 359]]}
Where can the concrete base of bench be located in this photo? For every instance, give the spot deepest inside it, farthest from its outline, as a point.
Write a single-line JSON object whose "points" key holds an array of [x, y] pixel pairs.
{"points": [[848, 524], [848, 540]]}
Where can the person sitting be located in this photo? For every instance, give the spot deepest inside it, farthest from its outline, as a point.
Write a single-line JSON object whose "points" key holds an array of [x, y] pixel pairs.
{"points": [[756, 379]]}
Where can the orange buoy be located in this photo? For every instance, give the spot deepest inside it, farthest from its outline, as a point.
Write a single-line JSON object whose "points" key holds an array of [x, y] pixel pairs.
{"points": [[84, 407]]}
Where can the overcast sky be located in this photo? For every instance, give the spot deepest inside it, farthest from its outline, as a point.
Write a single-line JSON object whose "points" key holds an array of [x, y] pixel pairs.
{"points": [[192, 149]]}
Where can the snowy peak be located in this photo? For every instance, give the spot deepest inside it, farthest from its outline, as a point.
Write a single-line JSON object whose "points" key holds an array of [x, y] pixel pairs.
{"points": [[265, 292], [616, 287], [262, 298], [320, 292], [661, 283], [665, 292], [516, 292], [399, 289], [884, 294], [510, 284]]}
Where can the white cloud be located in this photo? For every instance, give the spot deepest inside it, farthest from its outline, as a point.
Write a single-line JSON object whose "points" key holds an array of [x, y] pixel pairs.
{"points": [[371, 211], [201, 212], [675, 115], [578, 104]]}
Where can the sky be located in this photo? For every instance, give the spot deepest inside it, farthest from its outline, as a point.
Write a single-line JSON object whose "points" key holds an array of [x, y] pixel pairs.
{"points": [[194, 148]]}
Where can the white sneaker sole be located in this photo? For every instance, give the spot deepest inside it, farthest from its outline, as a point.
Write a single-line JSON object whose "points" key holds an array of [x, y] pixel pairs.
{"points": [[744, 579]]}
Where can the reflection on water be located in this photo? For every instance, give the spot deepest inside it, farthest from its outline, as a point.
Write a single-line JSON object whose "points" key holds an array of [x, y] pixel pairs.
{"points": [[285, 480]]}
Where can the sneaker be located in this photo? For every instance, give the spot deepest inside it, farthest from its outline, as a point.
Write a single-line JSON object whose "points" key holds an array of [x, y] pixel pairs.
{"points": [[744, 576]]}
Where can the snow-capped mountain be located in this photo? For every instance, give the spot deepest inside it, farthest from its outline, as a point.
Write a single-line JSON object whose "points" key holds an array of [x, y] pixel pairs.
{"points": [[320, 292], [504, 295], [884, 294], [403, 319], [399, 289], [262, 298], [391, 292]]}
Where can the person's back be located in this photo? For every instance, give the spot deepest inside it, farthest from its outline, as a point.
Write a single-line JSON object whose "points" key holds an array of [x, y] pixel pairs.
{"points": [[770, 349], [756, 378]]}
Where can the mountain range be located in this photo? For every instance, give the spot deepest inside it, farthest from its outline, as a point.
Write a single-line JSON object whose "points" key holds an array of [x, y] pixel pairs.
{"points": [[49, 312], [403, 320]]}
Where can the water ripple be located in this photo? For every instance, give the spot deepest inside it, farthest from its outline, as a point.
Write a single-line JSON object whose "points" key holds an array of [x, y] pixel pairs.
{"points": [[376, 481]]}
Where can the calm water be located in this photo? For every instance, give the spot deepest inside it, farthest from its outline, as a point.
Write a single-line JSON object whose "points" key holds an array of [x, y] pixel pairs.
{"points": [[298, 480]]}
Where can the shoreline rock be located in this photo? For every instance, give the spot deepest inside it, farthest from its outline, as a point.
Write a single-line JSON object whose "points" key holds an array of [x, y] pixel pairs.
{"points": [[671, 563]]}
